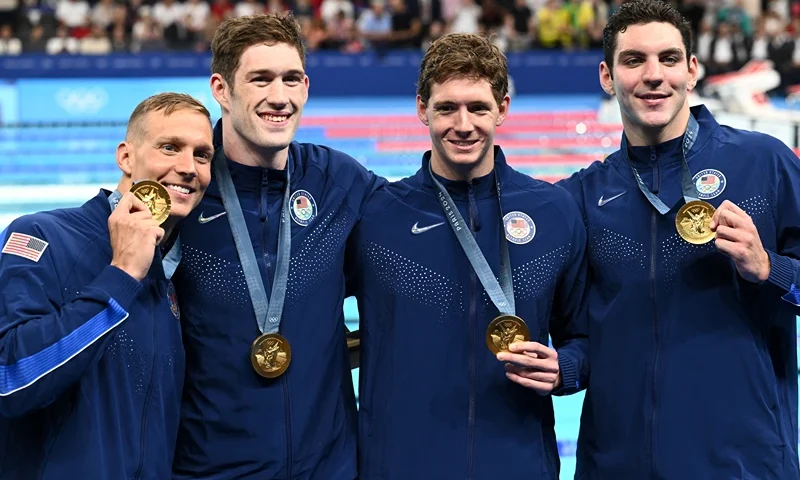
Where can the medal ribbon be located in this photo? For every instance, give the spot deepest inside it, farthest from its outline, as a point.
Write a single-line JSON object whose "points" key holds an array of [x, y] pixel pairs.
{"points": [[502, 293], [268, 312], [687, 186]]}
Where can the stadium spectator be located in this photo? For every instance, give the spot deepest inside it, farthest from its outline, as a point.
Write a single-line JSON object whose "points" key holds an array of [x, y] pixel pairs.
{"points": [[72, 13], [466, 19], [97, 43], [196, 22], [36, 42], [375, 24], [9, 44], [103, 13], [62, 42], [248, 7]]}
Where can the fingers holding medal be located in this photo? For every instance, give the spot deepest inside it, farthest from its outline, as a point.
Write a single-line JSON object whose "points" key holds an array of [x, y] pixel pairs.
{"points": [[738, 238]]}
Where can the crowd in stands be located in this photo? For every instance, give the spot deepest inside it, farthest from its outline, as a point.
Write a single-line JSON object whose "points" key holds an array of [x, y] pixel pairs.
{"points": [[726, 34]]}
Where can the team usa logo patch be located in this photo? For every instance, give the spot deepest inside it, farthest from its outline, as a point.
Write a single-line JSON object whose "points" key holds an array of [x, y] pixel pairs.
{"points": [[173, 301], [520, 229], [710, 183], [304, 208]]}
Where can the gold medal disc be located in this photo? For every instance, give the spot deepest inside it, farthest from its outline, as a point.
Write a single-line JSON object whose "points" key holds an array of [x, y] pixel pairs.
{"points": [[505, 330], [155, 196], [270, 355], [692, 222]]}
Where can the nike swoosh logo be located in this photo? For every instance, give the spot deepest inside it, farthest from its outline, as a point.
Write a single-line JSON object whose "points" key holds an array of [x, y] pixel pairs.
{"points": [[201, 219], [417, 230], [603, 201]]}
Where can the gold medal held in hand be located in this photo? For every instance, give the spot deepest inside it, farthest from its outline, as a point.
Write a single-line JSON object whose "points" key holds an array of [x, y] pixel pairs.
{"points": [[270, 355], [692, 222], [505, 330], [155, 196]]}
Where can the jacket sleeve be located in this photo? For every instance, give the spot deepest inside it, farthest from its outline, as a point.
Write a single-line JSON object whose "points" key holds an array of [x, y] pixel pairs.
{"points": [[47, 345], [569, 327], [784, 263]]}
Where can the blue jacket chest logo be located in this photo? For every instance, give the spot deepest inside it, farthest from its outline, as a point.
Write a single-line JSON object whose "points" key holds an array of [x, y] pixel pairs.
{"points": [[519, 227], [304, 208], [709, 182]]}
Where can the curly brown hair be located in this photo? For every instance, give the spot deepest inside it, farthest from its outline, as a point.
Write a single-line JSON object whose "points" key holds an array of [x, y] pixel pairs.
{"points": [[236, 35], [463, 55]]}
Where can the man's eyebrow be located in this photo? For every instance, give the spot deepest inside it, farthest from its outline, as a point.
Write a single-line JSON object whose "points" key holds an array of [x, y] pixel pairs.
{"points": [[266, 71], [632, 52]]}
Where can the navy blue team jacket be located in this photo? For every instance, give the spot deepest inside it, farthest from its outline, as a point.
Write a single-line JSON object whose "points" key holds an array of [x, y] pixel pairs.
{"points": [[694, 369], [91, 362], [434, 401], [235, 423]]}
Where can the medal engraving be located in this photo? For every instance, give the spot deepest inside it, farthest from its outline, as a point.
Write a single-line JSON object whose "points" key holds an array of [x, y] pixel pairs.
{"points": [[692, 222], [270, 355], [505, 330], [156, 197]]}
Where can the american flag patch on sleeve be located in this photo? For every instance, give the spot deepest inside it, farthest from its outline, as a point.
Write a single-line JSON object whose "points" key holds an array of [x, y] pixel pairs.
{"points": [[25, 246]]}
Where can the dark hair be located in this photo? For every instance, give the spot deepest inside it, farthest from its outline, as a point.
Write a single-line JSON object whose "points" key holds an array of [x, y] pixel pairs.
{"points": [[236, 35], [640, 12], [463, 55]]}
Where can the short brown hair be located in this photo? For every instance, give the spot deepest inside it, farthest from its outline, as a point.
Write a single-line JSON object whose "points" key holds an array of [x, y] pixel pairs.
{"points": [[167, 102], [642, 12], [236, 35], [463, 55]]}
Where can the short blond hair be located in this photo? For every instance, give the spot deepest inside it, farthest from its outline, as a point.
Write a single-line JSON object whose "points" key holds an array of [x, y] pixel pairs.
{"points": [[166, 102]]}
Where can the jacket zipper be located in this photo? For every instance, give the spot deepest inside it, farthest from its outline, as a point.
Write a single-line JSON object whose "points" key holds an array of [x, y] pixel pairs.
{"points": [[653, 251], [268, 284], [473, 310], [142, 431]]}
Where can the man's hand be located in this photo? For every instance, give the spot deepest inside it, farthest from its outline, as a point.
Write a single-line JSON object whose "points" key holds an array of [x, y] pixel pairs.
{"points": [[134, 236], [532, 365], [738, 238]]}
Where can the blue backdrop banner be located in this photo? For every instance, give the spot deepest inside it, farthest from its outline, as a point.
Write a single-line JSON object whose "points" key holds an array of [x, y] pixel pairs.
{"points": [[331, 74]]}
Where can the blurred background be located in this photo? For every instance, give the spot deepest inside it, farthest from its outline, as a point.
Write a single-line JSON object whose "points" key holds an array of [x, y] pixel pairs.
{"points": [[71, 72]]}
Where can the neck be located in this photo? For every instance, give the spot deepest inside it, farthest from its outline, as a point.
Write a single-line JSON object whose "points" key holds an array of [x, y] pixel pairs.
{"points": [[463, 173], [241, 151], [648, 137], [124, 184]]}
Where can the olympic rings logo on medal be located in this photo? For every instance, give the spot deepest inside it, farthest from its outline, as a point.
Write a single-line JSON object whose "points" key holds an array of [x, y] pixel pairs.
{"points": [[519, 227], [709, 183], [304, 208]]}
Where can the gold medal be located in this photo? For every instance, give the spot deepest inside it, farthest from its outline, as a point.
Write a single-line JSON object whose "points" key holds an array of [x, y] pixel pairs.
{"points": [[505, 330], [155, 196], [270, 355], [692, 222]]}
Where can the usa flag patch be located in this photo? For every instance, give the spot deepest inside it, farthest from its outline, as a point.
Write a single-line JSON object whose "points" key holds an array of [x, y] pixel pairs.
{"points": [[25, 246]]}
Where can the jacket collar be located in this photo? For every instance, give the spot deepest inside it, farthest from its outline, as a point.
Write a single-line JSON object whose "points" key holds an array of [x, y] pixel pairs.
{"points": [[482, 187]]}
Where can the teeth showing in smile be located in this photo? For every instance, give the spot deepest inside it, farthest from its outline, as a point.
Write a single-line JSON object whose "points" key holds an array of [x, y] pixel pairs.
{"points": [[464, 144], [179, 189], [275, 118]]}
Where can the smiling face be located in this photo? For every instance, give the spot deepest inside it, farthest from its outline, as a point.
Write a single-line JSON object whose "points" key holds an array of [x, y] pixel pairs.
{"points": [[651, 78], [462, 116], [173, 149], [262, 109]]}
